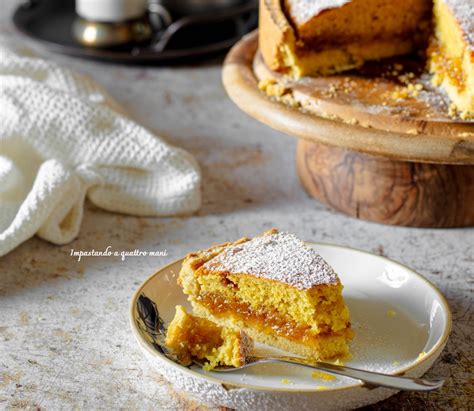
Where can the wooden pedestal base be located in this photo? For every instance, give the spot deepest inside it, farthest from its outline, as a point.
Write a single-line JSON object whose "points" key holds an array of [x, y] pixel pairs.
{"points": [[418, 163], [388, 191]]}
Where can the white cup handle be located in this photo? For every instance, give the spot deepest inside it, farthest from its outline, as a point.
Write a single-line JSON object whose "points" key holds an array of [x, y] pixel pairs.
{"points": [[159, 16]]}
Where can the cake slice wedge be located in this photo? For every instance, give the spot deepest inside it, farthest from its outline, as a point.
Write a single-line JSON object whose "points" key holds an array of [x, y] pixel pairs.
{"points": [[451, 52], [191, 337], [276, 289]]}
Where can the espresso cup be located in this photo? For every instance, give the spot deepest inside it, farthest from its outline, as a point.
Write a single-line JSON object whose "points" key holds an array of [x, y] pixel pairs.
{"points": [[111, 11]]}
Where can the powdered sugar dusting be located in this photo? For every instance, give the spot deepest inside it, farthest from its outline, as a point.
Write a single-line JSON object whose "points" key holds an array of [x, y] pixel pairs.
{"points": [[303, 10], [463, 11], [280, 257]]}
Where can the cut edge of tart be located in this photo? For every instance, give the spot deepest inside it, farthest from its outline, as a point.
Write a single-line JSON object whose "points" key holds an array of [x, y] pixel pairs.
{"points": [[189, 337], [323, 37], [299, 38], [451, 53], [276, 289]]}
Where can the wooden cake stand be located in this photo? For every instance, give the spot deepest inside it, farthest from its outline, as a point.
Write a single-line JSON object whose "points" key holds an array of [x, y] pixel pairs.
{"points": [[370, 145]]}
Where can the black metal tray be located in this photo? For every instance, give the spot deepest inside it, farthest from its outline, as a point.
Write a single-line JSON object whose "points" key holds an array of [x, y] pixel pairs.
{"points": [[50, 23]]}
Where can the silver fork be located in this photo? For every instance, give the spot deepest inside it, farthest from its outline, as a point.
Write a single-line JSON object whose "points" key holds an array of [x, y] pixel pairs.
{"points": [[370, 378]]}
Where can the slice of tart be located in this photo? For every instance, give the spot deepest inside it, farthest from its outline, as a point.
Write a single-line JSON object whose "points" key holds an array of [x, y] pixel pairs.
{"points": [[276, 289], [307, 37], [191, 337], [451, 52]]}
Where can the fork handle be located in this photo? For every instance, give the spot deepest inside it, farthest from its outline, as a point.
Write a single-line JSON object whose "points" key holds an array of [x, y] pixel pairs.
{"points": [[368, 377]]}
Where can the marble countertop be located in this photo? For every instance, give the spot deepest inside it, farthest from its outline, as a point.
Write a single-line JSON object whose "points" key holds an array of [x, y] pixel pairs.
{"points": [[65, 340]]}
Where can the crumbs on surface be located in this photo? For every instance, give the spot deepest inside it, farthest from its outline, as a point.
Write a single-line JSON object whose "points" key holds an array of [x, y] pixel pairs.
{"points": [[338, 362], [278, 92], [323, 376], [321, 387], [346, 86], [272, 87], [391, 313], [409, 91], [454, 112], [396, 363], [421, 355], [285, 381]]}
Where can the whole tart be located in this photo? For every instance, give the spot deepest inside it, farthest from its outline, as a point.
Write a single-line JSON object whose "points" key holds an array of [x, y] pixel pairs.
{"points": [[276, 289], [319, 37]]}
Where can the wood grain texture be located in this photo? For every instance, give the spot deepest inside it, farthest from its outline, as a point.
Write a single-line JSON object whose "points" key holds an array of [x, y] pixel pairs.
{"points": [[367, 97], [452, 143], [387, 191]]}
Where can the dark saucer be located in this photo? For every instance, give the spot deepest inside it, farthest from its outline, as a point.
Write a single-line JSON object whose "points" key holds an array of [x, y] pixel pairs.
{"points": [[50, 22]]}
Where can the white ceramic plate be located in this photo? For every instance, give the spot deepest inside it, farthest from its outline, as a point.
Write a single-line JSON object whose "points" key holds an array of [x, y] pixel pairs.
{"points": [[396, 315]]}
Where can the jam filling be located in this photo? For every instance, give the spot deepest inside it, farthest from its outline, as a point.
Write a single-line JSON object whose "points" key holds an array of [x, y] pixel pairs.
{"points": [[448, 66], [269, 322]]}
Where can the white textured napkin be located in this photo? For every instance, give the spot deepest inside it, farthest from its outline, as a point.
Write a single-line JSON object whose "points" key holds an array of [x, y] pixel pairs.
{"points": [[62, 139]]}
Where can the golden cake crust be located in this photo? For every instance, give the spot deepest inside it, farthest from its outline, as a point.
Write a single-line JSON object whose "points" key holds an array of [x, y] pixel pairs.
{"points": [[286, 46], [200, 262], [274, 33], [309, 315]]}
